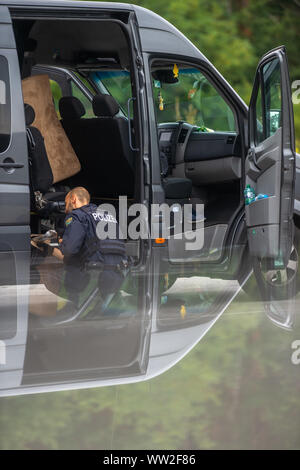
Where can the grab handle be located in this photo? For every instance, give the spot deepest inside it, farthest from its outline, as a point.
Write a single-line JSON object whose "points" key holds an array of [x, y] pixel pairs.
{"points": [[129, 125]]}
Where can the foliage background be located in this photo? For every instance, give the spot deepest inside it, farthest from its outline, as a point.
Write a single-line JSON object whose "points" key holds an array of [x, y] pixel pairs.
{"points": [[237, 389], [234, 34]]}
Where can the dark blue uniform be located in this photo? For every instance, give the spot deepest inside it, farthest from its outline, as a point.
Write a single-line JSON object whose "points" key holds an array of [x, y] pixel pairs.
{"points": [[81, 245]]}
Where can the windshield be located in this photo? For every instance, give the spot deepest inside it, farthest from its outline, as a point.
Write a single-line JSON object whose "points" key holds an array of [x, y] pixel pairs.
{"points": [[116, 83], [182, 93]]}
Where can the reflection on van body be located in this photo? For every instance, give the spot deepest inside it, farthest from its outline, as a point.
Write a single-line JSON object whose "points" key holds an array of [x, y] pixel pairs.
{"points": [[120, 345]]}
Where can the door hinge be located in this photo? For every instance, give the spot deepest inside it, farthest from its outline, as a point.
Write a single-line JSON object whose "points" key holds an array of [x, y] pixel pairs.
{"points": [[138, 61]]}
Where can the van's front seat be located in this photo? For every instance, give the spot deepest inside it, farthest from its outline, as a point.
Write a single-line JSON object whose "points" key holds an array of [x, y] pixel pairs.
{"points": [[102, 145], [41, 176], [71, 111], [177, 190]]}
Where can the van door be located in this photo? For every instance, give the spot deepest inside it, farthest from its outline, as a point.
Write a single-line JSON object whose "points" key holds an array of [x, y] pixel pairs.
{"points": [[270, 172], [14, 211]]}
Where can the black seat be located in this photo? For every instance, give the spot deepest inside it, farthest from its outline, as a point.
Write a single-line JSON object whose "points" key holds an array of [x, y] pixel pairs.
{"points": [[102, 146], [177, 190], [71, 111], [41, 177], [40, 169]]}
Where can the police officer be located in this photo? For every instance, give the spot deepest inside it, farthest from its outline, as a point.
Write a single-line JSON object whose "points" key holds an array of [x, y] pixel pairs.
{"points": [[81, 249]]}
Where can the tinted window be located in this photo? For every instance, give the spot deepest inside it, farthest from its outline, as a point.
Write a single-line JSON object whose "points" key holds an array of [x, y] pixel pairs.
{"points": [[272, 97], [116, 82], [56, 94], [183, 93], [84, 100], [268, 101], [4, 105]]}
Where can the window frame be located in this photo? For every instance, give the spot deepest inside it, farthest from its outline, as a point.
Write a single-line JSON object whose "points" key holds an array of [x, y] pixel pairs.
{"points": [[235, 102], [73, 85], [5, 78], [202, 67], [267, 130], [259, 84], [104, 90]]}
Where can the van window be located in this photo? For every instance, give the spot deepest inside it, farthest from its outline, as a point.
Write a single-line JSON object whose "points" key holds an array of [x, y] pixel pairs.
{"points": [[116, 82], [272, 91], [5, 118], [268, 111], [84, 100], [56, 93], [182, 92]]}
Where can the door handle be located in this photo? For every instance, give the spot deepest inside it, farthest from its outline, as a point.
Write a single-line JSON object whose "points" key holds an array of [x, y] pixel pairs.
{"points": [[8, 166]]}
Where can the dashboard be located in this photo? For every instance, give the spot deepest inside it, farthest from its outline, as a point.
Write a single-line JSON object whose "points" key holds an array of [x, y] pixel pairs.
{"points": [[203, 157]]}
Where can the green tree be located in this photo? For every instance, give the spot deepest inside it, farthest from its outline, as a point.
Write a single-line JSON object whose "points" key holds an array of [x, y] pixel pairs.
{"points": [[234, 34]]}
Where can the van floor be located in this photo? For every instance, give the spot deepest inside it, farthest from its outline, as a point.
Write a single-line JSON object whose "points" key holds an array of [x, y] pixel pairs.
{"points": [[220, 200], [220, 211]]}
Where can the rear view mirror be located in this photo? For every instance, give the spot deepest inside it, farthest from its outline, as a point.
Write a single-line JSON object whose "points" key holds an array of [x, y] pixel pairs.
{"points": [[165, 76]]}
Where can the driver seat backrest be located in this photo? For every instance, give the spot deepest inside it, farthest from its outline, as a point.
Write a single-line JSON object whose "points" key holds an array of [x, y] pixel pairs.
{"points": [[61, 156], [71, 111], [41, 176], [102, 146], [40, 173]]}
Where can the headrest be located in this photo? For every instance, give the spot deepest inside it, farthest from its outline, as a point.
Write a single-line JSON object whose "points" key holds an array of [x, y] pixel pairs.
{"points": [[30, 45], [105, 106], [29, 114], [71, 107]]}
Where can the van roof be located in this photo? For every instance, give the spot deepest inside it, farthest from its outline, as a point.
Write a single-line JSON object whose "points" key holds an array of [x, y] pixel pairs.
{"points": [[146, 18], [69, 3], [167, 34]]}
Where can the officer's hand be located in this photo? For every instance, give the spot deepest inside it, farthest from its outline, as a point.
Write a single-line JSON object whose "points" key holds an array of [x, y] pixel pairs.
{"points": [[36, 245]]}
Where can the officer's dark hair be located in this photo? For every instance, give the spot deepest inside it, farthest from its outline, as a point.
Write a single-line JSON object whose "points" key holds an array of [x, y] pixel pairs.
{"points": [[82, 194]]}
